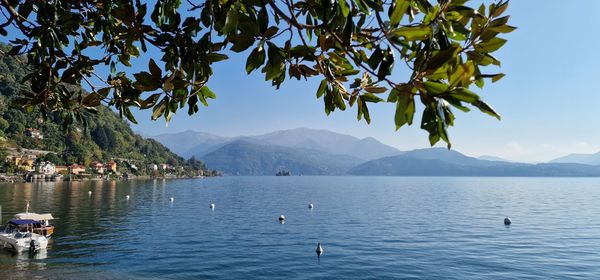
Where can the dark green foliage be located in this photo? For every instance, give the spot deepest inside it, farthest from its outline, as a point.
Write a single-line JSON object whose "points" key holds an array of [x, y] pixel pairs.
{"points": [[16, 128], [54, 158], [4, 124], [105, 138], [444, 48]]}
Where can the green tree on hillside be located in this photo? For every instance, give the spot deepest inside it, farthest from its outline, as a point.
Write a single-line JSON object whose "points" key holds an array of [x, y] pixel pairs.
{"points": [[443, 48]]}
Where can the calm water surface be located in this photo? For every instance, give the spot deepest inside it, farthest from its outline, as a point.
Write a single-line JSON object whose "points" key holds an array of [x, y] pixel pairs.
{"points": [[370, 227]]}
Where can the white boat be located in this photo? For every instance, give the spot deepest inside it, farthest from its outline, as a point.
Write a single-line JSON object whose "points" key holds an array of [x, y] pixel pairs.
{"points": [[23, 241], [39, 223]]}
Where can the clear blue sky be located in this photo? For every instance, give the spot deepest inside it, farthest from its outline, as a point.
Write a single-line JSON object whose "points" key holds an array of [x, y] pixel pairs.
{"points": [[548, 100]]}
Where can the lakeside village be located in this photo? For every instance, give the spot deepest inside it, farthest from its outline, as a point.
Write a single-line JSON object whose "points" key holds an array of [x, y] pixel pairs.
{"points": [[33, 165]]}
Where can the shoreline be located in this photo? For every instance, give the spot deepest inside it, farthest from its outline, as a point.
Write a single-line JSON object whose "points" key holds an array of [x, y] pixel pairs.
{"points": [[21, 178]]}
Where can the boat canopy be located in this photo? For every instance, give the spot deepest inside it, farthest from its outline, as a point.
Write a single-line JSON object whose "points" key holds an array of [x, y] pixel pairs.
{"points": [[34, 216], [24, 222]]}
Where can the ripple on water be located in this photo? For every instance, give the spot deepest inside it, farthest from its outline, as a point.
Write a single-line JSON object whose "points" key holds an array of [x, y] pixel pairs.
{"points": [[370, 227]]}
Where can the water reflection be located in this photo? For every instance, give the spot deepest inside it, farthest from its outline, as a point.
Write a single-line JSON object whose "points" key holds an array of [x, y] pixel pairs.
{"points": [[454, 229], [23, 260]]}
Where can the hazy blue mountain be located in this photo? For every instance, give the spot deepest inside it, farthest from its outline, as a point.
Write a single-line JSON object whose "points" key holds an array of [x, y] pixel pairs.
{"points": [[243, 157], [190, 143], [442, 154], [492, 158], [327, 141], [441, 162], [198, 144], [591, 159]]}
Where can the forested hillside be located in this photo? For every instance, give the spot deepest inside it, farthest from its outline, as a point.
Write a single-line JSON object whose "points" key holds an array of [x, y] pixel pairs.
{"points": [[105, 137]]}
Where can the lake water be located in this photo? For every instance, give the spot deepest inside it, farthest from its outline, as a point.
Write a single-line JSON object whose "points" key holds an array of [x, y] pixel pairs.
{"points": [[370, 227]]}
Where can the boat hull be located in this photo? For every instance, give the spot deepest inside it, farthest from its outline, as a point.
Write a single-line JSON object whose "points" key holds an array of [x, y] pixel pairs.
{"points": [[19, 242]]}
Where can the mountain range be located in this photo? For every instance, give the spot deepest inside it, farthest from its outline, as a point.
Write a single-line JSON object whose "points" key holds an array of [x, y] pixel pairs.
{"points": [[591, 159], [304, 151], [443, 162], [198, 144]]}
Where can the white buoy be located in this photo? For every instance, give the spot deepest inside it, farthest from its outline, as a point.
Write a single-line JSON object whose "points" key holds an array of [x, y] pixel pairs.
{"points": [[281, 218], [90, 193], [212, 206], [319, 250], [507, 221], [172, 199], [310, 206], [127, 197]]}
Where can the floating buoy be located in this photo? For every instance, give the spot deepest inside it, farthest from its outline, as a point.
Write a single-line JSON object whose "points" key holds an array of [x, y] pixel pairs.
{"points": [[172, 199], [281, 218], [212, 206], [319, 250], [90, 193], [127, 197], [507, 221], [310, 206]]}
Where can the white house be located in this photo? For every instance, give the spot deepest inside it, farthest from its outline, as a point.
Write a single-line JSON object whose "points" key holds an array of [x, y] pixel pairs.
{"points": [[34, 133], [46, 167]]}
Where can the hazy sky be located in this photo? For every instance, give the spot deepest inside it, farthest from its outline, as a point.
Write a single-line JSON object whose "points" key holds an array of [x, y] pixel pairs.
{"points": [[548, 100]]}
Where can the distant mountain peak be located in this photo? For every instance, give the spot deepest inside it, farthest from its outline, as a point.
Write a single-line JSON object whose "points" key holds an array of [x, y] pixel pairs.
{"points": [[592, 159], [193, 143]]}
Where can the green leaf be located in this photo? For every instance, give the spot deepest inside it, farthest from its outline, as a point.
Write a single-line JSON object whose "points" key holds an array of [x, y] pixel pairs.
{"points": [[484, 107], [339, 99], [373, 89], [405, 110], [255, 59], [497, 77], [146, 82], [125, 60], [364, 110], [231, 21], [344, 7], [503, 28], [270, 31], [242, 43], [494, 77], [362, 6], [482, 59], [263, 20], [150, 101], [442, 57], [206, 92], [375, 58], [154, 69], [216, 57], [456, 103], [434, 88], [499, 9], [368, 97], [413, 33], [129, 115], [429, 122], [465, 95], [91, 100], [462, 74], [491, 45], [322, 88], [399, 9], [159, 109]]}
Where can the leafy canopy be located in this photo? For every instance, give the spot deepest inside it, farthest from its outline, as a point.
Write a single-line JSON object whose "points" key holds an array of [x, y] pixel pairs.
{"points": [[352, 45]]}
